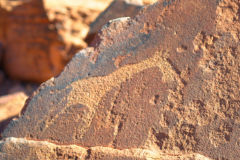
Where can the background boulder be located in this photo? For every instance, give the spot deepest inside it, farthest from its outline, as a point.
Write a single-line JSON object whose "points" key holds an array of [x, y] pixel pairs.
{"points": [[39, 39]]}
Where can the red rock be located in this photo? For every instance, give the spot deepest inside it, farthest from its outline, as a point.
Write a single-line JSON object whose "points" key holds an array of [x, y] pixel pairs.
{"points": [[33, 51], [72, 18], [165, 82], [39, 39]]}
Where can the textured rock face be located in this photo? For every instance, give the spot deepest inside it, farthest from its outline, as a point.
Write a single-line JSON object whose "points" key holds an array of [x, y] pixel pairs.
{"points": [[49, 151], [166, 81], [39, 38], [118, 8]]}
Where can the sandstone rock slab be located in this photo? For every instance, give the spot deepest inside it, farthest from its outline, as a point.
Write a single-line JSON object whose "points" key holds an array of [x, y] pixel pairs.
{"points": [[165, 81], [48, 151]]}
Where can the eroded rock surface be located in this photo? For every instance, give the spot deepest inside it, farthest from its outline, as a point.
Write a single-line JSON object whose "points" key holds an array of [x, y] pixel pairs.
{"points": [[117, 9], [166, 81], [49, 151]]}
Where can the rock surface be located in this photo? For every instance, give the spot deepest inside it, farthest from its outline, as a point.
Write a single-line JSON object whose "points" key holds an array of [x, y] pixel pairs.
{"points": [[13, 95], [11, 105], [166, 81], [117, 9], [39, 39], [49, 151]]}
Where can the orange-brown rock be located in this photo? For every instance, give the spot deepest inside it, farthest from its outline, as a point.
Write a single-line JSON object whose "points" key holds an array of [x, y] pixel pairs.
{"points": [[72, 18], [163, 83], [32, 51], [39, 39]]}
